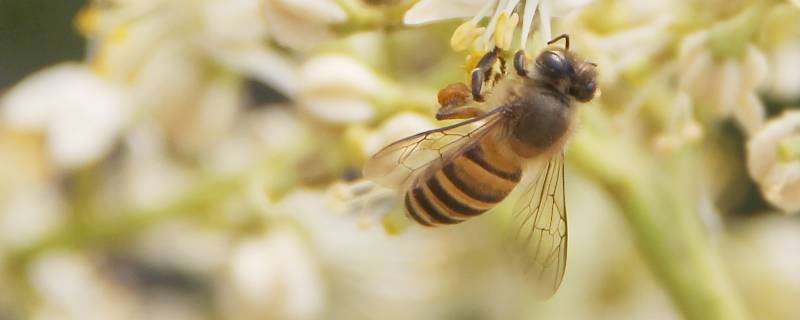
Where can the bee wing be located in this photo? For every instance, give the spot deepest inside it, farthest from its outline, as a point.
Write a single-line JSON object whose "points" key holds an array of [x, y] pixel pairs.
{"points": [[541, 218], [395, 165]]}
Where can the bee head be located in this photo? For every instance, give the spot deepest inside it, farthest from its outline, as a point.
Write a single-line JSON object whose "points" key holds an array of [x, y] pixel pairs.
{"points": [[584, 82], [568, 73]]}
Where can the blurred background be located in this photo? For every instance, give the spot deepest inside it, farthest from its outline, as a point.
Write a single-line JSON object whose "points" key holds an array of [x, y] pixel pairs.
{"points": [[201, 159]]}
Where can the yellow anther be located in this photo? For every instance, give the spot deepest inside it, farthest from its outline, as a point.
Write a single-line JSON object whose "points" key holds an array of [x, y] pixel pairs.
{"points": [[99, 63], [500, 31], [87, 21], [465, 35], [471, 61], [505, 30], [119, 34]]}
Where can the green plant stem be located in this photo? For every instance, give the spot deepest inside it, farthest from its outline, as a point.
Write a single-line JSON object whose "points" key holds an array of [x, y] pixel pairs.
{"points": [[108, 231], [669, 234]]}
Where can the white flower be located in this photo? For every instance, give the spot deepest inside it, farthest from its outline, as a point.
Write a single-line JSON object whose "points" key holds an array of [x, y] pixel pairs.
{"points": [[271, 131], [301, 24], [385, 272], [778, 178], [681, 127], [71, 288], [614, 53], [502, 24], [274, 276], [156, 42], [338, 89], [234, 21], [756, 253], [783, 78], [426, 11], [727, 86], [214, 111], [235, 34], [28, 213], [148, 178], [199, 250], [79, 113]]}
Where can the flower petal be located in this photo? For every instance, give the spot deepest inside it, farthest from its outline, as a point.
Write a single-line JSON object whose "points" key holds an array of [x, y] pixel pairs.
{"points": [[779, 181], [296, 31], [339, 109], [322, 11], [783, 78], [750, 113], [80, 112], [339, 74], [761, 148], [427, 11]]}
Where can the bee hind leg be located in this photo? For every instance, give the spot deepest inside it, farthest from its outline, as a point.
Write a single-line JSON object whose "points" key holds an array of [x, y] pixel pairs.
{"points": [[455, 103], [458, 112]]}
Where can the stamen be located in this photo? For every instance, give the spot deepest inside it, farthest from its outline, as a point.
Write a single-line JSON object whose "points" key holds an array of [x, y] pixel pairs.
{"points": [[510, 6], [505, 30], [499, 34], [527, 20], [465, 35], [491, 27], [544, 21], [484, 11]]}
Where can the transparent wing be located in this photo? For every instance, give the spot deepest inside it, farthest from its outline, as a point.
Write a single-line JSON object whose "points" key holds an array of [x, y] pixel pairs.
{"points": [[541, 217], [397, 163]]}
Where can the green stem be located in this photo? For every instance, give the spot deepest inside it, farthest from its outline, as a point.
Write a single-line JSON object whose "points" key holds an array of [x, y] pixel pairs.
{"points": [[668, 232], [109, 231]]}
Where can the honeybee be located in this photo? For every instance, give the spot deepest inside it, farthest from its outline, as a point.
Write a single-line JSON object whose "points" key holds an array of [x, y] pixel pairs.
{"points": [[516, 127]]}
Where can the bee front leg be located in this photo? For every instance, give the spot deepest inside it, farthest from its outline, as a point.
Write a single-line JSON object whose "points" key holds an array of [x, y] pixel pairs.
{"points": [[519, 63], [482, 72]]}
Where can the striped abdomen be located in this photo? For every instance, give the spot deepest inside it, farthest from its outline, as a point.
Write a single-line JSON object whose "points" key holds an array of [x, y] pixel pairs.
{"points": [[470, 184]]}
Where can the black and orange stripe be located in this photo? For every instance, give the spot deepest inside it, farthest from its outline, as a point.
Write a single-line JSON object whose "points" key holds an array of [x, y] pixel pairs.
{"points": [[466, 186]]}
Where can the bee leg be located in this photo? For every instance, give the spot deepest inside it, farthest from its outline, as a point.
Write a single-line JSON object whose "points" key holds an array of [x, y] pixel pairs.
{"points": [[458, 112], [519, 63], [454, 101], [482, 72], [477, 84]]}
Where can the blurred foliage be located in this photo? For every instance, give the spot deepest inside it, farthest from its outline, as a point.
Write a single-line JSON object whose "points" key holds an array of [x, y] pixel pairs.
{"points": [[36, 33]]}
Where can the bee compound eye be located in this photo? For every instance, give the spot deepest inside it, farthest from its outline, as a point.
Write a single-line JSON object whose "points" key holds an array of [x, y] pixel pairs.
{"points": [[591, 87], [584, 91], [553, 63]]}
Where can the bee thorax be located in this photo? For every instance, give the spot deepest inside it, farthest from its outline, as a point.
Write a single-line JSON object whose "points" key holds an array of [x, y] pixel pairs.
{"points": [[541, 122]]}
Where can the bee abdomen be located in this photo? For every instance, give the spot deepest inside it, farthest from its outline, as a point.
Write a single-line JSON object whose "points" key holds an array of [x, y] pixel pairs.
{"points": [[464, 187]]}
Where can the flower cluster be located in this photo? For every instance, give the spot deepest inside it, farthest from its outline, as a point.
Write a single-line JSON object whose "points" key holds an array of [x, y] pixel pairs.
{"points": [[204, 160]]}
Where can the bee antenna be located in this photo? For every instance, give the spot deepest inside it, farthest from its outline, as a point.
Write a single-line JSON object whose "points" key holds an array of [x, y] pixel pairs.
{"points": [[562, 36]]}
